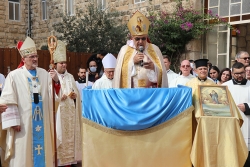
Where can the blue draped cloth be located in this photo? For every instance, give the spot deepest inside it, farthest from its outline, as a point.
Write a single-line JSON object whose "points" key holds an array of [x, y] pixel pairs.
{"points": [[134, 109]]}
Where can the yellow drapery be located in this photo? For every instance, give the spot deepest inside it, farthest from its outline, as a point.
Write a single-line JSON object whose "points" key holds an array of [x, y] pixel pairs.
{"points": [[168, 144], [218, 141]]}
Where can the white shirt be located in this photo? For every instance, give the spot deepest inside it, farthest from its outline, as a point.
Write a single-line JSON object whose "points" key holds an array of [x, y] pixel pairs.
{"points": [[171, 76], [81, 86], [102, 83], [241, 94], [180, 80]]}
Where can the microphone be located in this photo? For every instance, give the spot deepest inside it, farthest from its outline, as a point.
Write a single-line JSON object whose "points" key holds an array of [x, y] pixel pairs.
{"points": [[141, 48]]}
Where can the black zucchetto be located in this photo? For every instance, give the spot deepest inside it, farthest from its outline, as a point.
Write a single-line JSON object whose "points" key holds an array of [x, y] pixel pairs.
{"points": [[200, 62]]}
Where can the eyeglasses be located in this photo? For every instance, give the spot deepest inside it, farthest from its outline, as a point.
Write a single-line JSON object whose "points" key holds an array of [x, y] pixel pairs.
{"points": [[138, 39], [32, 57], [239, 73], [185, 66], [247, 70], [245, 58]]}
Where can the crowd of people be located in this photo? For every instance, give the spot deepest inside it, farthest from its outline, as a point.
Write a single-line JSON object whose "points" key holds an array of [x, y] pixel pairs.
{"points": [[26, 94]]}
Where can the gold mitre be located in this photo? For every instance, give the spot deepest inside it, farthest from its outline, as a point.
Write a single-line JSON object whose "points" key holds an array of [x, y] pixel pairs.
{"points": [[138, 24], [26, 48], [60, 52]]}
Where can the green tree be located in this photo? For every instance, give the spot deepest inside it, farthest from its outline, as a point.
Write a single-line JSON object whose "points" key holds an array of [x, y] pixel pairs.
{"points": [[92, 30]]}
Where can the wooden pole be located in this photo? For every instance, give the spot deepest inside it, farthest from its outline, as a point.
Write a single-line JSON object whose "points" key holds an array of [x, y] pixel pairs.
{"points": [[52, 43]]}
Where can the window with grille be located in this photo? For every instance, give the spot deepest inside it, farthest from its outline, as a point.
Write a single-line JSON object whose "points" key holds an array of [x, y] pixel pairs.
{"points": [[14, 10], [232, 10], [101, 4], [70, 7], [44, 10], [138, 1], [219, 45]]}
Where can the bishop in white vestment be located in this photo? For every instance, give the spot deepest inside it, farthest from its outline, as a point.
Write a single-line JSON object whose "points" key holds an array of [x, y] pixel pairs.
{"points": [[68, 118], [105, 82], [28, 118]]}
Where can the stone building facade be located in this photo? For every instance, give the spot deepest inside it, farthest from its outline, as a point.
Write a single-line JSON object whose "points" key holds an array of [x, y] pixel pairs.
{"points": [[243, 42], [40, 28], [12, 31]]}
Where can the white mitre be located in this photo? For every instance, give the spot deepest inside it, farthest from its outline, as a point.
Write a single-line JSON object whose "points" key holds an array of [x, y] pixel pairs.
{"points": [[109, 61], [27, 48]]}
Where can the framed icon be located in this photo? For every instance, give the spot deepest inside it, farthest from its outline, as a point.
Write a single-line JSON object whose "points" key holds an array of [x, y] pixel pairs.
{"points": [[214, 101]]}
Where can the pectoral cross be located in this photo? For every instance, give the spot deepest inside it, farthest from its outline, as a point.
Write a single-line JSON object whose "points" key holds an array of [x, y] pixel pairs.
{"points": [[38, 148]]}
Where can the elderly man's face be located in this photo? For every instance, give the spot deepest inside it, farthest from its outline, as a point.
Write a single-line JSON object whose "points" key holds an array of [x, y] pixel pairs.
{"points": [[244, 59], [201, 72], [31, 61], [140, 40], [185, 67], [109, 72]]}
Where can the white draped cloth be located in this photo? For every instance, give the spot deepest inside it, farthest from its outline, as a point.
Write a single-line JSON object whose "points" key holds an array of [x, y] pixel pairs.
{"points": [[102, 83], [68, 122], [241, 94], [16, 95], [171, 76], [180, 80]]}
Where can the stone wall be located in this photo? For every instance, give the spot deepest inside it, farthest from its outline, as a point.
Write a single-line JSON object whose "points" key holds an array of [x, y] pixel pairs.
{"points": [[243, 38], [12, 31], [41, 29]]}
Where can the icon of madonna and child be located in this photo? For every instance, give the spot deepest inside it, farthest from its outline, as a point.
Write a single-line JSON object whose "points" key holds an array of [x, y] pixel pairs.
{"points": [[214, 101]]}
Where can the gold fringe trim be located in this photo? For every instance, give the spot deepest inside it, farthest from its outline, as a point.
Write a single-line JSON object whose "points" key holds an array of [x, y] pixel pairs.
{"points": [[124, 71], [172, 121], [158, 63]]}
